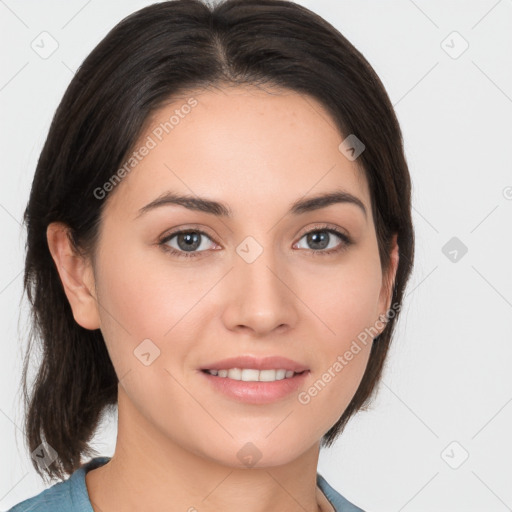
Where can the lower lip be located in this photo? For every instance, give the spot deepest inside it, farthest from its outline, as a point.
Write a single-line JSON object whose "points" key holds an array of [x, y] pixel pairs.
{"points": [[256, 392]]}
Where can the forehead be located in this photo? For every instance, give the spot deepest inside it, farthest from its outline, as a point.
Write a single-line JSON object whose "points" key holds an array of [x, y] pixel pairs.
{"points": [[243, 144]]}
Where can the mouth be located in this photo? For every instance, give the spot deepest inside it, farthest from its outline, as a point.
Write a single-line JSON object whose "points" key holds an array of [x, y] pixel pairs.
{"points": [[253, 374], [255, 380], [255, 387]]}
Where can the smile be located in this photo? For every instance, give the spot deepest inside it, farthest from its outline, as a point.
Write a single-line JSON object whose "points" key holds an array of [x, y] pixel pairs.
{"points": [[252, 375]]}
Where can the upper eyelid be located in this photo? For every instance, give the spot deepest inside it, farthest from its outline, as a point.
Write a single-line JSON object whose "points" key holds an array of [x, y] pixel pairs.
{"points": [[167, 236]]}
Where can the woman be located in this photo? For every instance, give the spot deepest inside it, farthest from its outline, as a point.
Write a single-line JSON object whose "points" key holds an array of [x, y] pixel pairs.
{"points": [[219, 239]]}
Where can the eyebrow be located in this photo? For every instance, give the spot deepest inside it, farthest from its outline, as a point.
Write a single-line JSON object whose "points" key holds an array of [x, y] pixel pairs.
{"points": [[219, 209]]}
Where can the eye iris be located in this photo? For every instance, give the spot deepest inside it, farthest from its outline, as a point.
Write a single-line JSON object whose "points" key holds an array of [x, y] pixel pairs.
{"points": [[318, 237], [191, 241]]}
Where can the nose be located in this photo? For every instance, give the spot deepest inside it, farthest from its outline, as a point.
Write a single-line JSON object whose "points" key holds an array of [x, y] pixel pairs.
{"points": [[260, 296]]}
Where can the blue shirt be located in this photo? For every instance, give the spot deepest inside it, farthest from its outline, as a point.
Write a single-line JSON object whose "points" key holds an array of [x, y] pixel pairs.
{"points": [[71, 495]]}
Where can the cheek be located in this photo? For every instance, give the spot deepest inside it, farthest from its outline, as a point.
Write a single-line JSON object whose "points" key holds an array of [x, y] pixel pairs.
{"points": [[335, 381], [346, 306], [344, 298], [142, 295], [142, 300]]}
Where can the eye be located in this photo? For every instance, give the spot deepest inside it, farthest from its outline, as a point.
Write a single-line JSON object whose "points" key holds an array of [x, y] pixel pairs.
{"points": [[321, 238], [188, 241]]}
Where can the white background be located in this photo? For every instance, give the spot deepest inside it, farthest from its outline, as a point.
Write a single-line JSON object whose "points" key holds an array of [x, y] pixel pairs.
{"points": [[448, 376]]}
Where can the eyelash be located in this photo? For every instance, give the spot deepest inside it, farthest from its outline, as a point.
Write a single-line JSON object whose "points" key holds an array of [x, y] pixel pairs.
{"points": [[346, 242]]}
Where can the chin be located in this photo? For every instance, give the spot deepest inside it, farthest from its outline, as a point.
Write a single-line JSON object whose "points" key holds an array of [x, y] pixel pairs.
{"points": [[261, 452]]}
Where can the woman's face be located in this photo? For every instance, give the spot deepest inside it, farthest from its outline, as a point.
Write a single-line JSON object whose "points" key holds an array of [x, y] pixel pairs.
{"points": [[251, 283]]}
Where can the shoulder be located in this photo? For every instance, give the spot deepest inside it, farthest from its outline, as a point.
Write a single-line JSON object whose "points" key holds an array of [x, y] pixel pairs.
{"points": [[56, 498], [339, 503], [67, 496]]}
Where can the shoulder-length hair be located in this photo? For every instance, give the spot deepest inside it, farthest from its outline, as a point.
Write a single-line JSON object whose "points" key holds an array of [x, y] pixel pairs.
{"points": [[151, 56]]}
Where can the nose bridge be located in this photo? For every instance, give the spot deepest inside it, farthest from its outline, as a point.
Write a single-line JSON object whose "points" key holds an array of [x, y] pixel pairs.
{"points": [[261, 299]]}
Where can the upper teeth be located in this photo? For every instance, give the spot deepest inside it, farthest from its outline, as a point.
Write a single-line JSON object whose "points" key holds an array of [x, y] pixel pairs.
{"points": [[249, 374]]}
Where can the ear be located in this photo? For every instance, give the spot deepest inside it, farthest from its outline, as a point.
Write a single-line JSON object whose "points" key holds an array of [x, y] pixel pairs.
{"points": [[388, 281], [76, 274]]}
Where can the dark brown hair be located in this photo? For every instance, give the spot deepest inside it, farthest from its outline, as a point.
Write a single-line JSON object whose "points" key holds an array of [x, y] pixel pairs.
{"points": [[151, 56]]}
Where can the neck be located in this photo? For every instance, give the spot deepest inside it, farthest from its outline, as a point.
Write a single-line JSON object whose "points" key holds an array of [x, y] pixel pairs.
{"points": [[150, 472]]}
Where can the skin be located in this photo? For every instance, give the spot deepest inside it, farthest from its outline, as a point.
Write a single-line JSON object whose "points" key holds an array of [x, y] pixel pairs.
{"points": [[178, 438]]}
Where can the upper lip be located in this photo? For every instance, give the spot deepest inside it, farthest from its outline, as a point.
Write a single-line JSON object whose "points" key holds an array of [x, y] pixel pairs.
{"points": [[257, 363]]}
